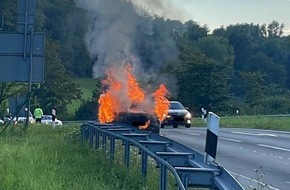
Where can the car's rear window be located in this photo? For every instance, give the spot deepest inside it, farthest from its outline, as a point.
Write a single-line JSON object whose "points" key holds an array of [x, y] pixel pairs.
{"points": [[175, 105]]}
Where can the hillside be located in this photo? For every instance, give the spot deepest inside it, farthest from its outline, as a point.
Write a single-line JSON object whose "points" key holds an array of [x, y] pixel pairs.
{"points": [[87, 86]]}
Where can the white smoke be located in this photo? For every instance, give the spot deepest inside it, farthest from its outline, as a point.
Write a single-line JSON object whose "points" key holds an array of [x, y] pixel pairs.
{"points": [[112, 32], [167, 9]]}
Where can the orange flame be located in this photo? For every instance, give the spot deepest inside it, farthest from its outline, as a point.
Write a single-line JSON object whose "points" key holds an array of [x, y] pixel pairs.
{"points": [[108, 101], [135, 92], [145, 126], [124, 92], [106, 108], [161, 102]]}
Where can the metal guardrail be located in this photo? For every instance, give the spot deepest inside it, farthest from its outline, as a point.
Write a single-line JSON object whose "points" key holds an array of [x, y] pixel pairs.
{"points": [[186, 165]]}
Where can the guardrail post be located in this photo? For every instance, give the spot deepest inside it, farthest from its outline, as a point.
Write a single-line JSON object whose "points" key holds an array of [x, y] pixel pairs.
{"points": [[186, 165], [112, 147], [163, 177], [144, 158], [97, 146], [83, 136], [91, 136], [185, 181], [127, 153], [104, 141]]}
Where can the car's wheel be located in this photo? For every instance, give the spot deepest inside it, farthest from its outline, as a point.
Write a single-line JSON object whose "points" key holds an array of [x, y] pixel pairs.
{"points": [[187, 126], [175, 126]]}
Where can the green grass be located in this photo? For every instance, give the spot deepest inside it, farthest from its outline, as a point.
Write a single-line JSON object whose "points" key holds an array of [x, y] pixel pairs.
{"points": [[43, 158], [257, 122], [87, 86], [250, 122]]}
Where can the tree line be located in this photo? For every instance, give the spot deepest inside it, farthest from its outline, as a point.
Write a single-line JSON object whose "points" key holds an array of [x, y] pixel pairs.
{"points": [[243, 67]]}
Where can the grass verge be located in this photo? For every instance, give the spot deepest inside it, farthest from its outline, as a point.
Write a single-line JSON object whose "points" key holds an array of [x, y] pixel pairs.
{"points": [[251, 122], [43, 158], [87, 86]]}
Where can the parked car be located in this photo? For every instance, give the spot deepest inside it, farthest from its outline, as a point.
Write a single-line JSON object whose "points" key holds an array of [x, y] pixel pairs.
{"points": [[1, 122], [7, 119], [177, 115], [22, 119], [47, 119]]}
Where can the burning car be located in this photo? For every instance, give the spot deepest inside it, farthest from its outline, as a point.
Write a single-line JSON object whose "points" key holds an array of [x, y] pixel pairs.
{"points": [[125, 102], [140, 120]]}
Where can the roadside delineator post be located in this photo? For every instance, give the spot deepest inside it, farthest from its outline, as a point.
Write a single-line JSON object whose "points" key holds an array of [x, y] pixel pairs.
{"points": [[203, 115], [53, 114], [211, 138]]}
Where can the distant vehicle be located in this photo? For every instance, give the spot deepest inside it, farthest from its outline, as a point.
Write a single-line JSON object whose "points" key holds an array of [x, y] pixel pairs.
{"points": [[177, 115], [7, 119], [47, 119], [20, 119]]}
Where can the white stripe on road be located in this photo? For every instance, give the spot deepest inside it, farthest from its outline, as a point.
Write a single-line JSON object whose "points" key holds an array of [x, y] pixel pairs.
{"points": [[274, 147], [227, 139], [251, 134], [186, 133]]}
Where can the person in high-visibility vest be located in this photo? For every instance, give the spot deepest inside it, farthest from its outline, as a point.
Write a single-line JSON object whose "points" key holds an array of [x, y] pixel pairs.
{"points": [[38, 114]]}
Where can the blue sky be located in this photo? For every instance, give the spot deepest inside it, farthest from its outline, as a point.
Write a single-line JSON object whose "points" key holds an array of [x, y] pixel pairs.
{"points": [[215, 13]]}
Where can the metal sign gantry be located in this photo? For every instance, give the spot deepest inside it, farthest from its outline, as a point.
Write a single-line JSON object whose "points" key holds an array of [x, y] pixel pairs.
{"points": [[22, 52]]}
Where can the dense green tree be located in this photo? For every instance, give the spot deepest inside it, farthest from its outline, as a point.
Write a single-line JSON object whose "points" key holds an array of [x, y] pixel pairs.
{"points": [[8, 10], [276, 49], [58, 90], [7, 90], [195, 31], [278, 104], [203, 72], [274, 29], [218, 49], [287, 61], [253, 85], [245, 39], [67, 24], [272, 73]]}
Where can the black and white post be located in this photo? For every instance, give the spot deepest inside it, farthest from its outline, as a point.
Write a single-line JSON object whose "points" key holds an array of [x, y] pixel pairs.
{"points": [[203, 114], [211, 137], [53, 114]]}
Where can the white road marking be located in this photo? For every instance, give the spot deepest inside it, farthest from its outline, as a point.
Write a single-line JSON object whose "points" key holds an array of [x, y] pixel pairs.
{"points": [[251, 134], [195, 134], [256, 181], [274, 147], [228, 139]]}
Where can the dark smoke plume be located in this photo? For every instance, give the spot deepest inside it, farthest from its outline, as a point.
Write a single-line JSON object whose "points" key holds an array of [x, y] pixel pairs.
{"points": [[115, 26]]}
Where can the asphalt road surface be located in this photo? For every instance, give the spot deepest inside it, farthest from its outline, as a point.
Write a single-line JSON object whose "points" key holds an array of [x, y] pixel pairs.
{"points": [[258, 159]]}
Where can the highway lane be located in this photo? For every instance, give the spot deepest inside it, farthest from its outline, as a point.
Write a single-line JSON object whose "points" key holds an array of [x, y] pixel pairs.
{"points": [[256, 158]]}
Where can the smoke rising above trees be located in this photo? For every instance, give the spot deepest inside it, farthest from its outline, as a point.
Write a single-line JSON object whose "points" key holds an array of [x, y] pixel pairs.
{"points": [[117, 31]]}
